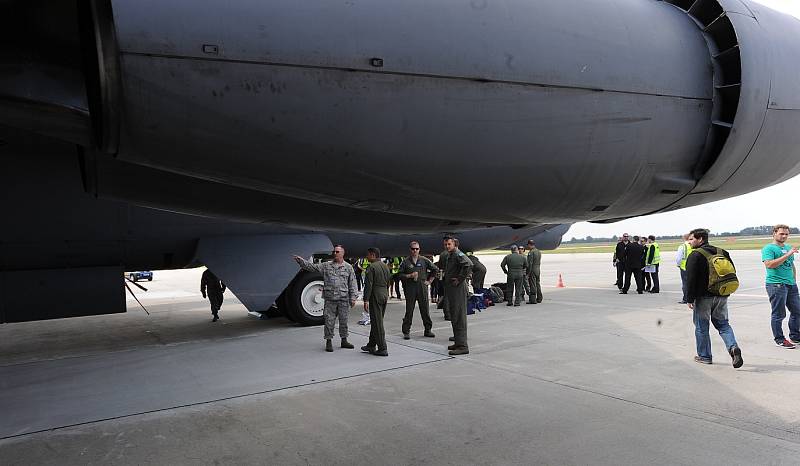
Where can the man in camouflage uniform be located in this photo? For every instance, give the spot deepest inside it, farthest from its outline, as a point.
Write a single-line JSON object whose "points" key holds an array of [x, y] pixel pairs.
{"points": [[339, 290], [376, 295], [534, 273], [417, 273], [457, 268], [513, 266]]}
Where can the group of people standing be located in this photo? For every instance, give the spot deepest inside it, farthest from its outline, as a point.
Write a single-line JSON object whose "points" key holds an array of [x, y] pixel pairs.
{"points": [[639, 258], [340, 291], [523, 275], [708, 277]]}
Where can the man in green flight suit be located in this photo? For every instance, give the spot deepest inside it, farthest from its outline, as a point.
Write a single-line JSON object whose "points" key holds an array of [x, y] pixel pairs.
{"points": [[441, 264], [478, 272], [417, 273], [513, 266], [456, 271], [376, 294], [534, 272], [525, 285]]}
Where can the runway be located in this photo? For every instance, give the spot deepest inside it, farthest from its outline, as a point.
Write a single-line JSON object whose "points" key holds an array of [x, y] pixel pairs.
{"points": [[586, 377]]}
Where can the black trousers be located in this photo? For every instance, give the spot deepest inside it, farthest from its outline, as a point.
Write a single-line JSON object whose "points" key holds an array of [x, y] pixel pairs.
{"points": [[637, 275], [396, 284], [652, 280], [216, 302], [620, 274]]}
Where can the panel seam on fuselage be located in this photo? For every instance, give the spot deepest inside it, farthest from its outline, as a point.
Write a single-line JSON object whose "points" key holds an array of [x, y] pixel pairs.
{"points": [[411, 74]]}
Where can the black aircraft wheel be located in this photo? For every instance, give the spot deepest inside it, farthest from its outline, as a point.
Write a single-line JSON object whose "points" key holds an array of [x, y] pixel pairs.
{"points": [[304, 297], [283, 304]]}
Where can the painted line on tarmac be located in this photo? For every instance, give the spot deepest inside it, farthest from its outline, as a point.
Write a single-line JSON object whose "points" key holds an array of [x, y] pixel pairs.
{"points": [[227, 398], [661, 292]]}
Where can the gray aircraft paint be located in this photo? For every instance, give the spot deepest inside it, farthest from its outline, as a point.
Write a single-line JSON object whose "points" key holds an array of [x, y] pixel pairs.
{"points": [[59, 260], [391, 118]]}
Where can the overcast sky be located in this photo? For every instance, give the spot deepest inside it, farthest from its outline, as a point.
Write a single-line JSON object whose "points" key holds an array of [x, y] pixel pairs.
{"points": [[775, 204]]}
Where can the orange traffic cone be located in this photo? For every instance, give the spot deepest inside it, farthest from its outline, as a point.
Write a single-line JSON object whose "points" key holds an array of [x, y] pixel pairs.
{"points": [[560, 282]]}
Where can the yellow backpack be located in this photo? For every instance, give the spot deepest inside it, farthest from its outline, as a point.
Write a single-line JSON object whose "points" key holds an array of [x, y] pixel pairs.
{"points": [[722, 280]]}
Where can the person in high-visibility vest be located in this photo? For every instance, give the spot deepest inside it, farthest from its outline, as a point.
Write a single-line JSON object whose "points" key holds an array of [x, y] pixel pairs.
{"points": [[680, 260], [394, 267], [648, 281], [652, 260]]}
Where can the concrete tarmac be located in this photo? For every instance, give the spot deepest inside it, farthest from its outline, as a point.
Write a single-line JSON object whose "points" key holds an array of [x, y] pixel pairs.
{"points": [[586, 377]]}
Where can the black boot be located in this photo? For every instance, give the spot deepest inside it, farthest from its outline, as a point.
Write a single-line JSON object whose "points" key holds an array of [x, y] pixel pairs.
{"points": [[429, 334], [328, 346], [346, 344]]}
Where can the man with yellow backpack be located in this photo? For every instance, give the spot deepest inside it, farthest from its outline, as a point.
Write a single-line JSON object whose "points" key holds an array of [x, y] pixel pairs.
{"points": [[710, 279]]}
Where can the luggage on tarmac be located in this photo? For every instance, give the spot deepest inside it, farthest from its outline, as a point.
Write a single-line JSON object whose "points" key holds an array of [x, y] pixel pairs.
{"points": [[475, 303], [488, 296], [499, 293]]}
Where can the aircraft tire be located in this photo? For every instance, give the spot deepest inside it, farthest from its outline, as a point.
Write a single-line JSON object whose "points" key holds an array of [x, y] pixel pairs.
{"points": [[304, 296], [283, 303]]}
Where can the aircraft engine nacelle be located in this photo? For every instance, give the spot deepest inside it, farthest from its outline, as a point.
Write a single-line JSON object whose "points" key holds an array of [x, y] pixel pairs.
{"points": [[511, 112]]}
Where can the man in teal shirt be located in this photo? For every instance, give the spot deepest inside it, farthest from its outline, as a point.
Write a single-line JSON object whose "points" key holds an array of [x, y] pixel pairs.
{"points": [[778, 258]]}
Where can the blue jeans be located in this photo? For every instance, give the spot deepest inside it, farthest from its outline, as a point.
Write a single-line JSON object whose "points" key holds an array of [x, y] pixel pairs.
{"points": [[715, 309], [782, 297], [683, 283]]}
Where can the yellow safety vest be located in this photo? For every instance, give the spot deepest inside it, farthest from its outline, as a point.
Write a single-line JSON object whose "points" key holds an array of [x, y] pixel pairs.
{"points": [[656, 254], [686, 256]]}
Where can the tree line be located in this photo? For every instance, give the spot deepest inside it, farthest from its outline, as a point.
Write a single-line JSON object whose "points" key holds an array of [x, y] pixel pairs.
{"points": [[763, 230]]}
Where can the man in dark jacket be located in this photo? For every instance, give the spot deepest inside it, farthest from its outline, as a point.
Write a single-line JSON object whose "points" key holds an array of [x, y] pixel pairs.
{"points": [[705, 305], [634, 262], [619, 259], [212, 287]]}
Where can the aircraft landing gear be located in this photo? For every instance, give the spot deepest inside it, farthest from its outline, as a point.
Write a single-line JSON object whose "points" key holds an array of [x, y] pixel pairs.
{"points": [[302, 300]]}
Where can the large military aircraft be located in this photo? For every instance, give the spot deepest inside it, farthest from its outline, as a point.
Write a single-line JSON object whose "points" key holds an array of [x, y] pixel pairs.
{"points": [[258, 129]]}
